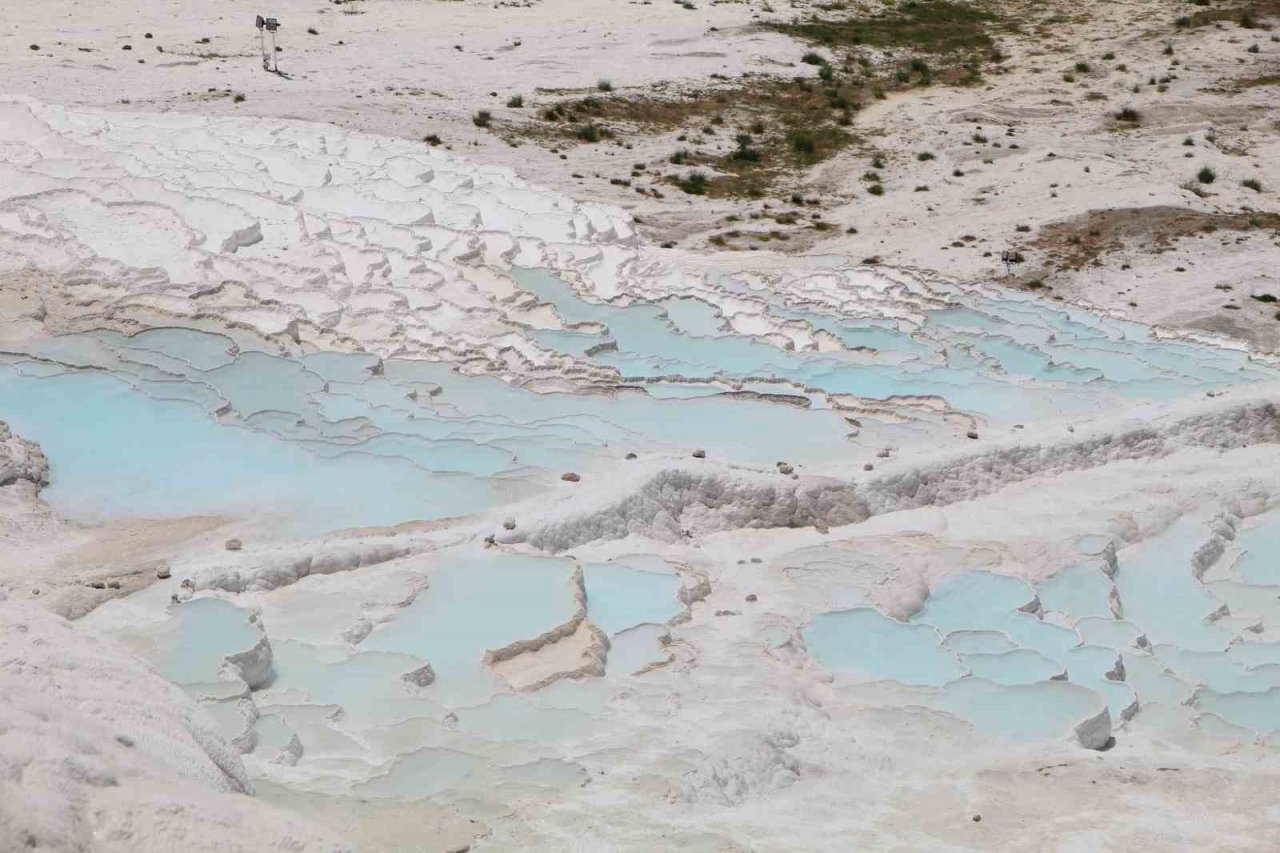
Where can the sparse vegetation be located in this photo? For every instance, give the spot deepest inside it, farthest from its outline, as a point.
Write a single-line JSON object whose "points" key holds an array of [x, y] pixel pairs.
{"points": [[1129, 115], [482, 118], [1252, 184], [695, 183], [1206, 175], [515, 101]]}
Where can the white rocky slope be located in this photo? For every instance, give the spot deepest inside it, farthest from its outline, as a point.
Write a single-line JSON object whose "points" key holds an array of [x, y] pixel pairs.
{"points": [[97, 752]]}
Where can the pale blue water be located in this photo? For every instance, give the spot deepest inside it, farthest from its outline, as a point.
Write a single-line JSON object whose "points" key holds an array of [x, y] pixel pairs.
{"points": [[475, 605], [1008, 660], [1260, 542], [866, 644], [621, 597]]}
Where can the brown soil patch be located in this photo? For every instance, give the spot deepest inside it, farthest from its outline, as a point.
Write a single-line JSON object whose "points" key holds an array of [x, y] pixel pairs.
{"points": [[1075, 243]]}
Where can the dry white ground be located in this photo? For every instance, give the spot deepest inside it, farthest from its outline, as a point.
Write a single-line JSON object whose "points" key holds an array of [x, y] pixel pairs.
{"points": [[1053, 150]]}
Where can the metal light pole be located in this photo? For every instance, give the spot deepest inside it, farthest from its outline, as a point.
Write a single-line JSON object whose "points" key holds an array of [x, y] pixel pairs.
{"points": [[268, 25]]}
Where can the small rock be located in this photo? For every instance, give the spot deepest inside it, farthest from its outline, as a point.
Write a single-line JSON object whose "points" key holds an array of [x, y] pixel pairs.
{"points": [[699, 454], [883, 454], [785, 469], [727, 613], [977, 818], [124, 740], [234, 545], [509, 524], [113, 584], [490, 541], [631, 456], [570, 477], [465, 848], [97, 585], [163, 573], [146, 35], [751, 597], [868, 467], [420, 677], [971, 434], [756, 560]]}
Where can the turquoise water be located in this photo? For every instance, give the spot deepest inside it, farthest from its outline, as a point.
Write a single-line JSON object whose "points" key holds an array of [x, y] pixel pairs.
{"points": [[866, 644], [621, 597], [177, 422], [1012, 673], [1260, 543]]}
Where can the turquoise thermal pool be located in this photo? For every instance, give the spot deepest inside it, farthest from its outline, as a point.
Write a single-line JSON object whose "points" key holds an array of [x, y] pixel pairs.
{"points": [[1025, 660]]}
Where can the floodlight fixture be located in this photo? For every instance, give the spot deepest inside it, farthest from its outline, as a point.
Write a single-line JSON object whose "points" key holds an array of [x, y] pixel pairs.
{"points": [[270, 61]]}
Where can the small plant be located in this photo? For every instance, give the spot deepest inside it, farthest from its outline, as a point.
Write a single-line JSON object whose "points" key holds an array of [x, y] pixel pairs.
{"points": [[1252, 184], [803, 143], [1189, 142], [1253, 48], [482, 118], [1108, 56], [432, 139], [239, 98], [1247, 20], [695, 183], [925, 156], [1130, 115], [604, 85], [980, 138], [813, 58], [876, 189], [877, 162], [312, 31], [745, 152], [1206, 175], [1082, 67], [1068, 77], [590, 132], [826, 73], [515, 102], [680, 157], [1264, 297]]}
